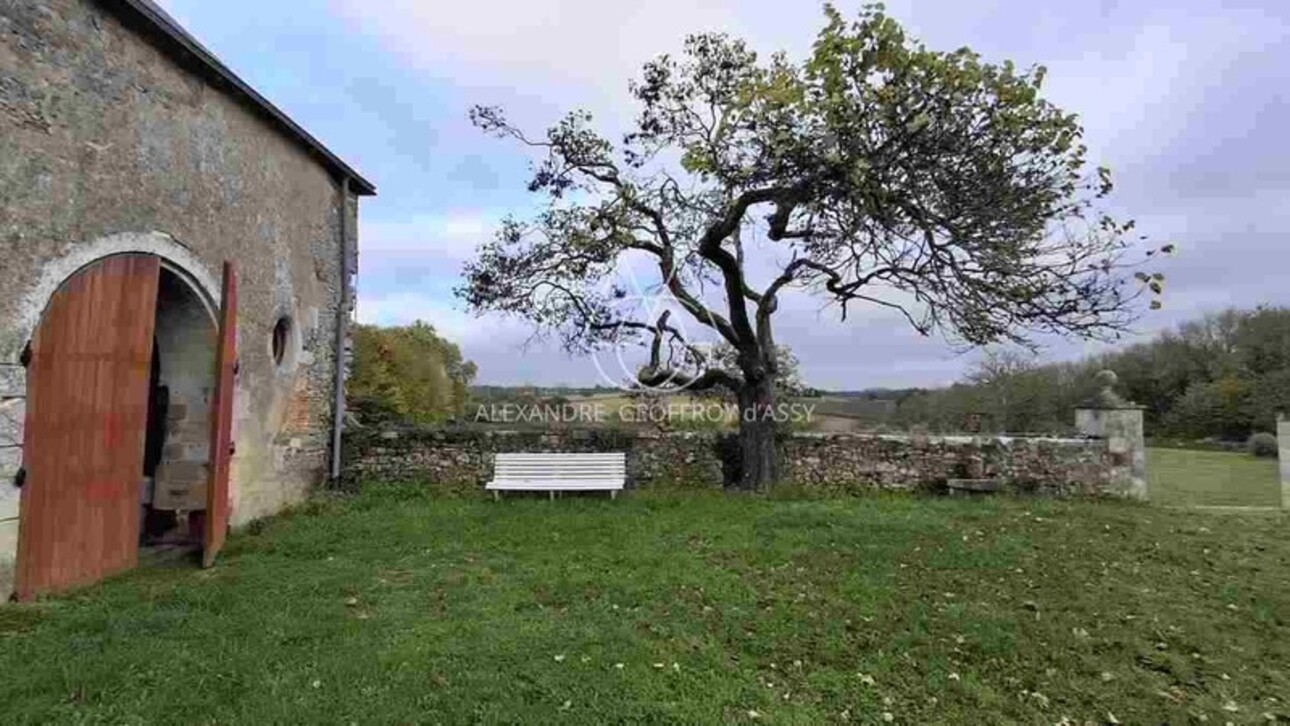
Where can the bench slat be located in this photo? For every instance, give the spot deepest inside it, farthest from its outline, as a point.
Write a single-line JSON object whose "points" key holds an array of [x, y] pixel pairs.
{"points": [[534, 474], [558, 456], [557, 462], [548, 470], [543, 486]]}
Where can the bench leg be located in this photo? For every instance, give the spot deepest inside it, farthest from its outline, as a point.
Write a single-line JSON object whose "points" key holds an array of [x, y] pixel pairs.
{"points": [[613, 494], [552, 493], [497, 496]]}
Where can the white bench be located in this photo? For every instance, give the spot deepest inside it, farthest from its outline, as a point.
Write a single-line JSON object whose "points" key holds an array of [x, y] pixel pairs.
{"points": [[559, 473]]}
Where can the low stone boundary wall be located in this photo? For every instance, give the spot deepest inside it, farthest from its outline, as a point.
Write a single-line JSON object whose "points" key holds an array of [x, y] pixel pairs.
{"points": [[1061, 467], [463, 458]]}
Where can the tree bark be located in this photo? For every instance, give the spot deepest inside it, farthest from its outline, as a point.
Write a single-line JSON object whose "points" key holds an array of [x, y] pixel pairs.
{"points": [[758, 452]]}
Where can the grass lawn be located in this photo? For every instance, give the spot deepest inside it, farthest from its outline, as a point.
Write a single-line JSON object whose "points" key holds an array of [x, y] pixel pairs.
{"points": [[695, 609], [1214, 478]]}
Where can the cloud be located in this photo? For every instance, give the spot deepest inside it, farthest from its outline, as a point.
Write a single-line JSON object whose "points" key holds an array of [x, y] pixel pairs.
{"points": [[405, 307], [1183, 101], [537, 46], [451, 235]]}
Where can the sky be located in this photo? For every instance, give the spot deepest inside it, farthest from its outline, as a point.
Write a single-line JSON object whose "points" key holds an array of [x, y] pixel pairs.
{"points": [[1186, 100]]}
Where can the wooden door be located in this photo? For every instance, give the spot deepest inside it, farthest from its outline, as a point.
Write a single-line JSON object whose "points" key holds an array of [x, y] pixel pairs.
{"points": [[87, 408], [217, 506]]}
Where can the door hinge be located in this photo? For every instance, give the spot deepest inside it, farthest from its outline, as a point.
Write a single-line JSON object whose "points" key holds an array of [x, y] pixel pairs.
{"points": [[25, 357], [21, 477]]}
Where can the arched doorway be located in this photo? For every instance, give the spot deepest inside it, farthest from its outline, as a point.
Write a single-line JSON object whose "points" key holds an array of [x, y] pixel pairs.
{"points": [[129, 388]]}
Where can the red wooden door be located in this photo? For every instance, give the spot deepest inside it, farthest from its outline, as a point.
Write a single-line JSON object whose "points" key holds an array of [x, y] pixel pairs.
{"points": [[217, 508], [87, 407]]}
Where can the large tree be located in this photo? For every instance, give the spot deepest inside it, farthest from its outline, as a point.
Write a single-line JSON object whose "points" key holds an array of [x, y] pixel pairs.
{"points": [[875, 172]]}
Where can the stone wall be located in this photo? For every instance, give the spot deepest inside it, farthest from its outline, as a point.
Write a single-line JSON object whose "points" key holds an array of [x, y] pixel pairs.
{"points": [[1060, 467], [462, 458], [109, 146]]}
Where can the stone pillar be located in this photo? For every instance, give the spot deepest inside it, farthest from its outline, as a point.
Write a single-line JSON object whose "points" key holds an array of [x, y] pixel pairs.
{"points": [[1118, 422], [1283, 454]]}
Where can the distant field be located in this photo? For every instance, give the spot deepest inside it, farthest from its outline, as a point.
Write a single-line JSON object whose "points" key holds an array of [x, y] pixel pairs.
{"points": [[1214, 478], [828, 413], [624, 409]]}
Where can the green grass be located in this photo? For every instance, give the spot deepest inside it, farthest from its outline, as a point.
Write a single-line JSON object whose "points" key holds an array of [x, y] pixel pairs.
{"points": [[396, 608], [1212, 478]]}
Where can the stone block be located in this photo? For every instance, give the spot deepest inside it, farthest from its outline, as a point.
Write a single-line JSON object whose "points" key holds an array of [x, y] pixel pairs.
{"points": [[13, 414], [200, 452], [8, 557], [974, 486], [13, 381], [1088, 421], [180, 496], [177, 411], [10, 462]]}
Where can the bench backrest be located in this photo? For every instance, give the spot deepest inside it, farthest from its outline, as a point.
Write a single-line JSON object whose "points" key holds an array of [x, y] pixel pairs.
{"points": [[561, 466]]}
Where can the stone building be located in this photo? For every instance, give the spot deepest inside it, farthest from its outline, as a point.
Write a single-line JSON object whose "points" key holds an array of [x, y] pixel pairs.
{"points": [[133, 166]]}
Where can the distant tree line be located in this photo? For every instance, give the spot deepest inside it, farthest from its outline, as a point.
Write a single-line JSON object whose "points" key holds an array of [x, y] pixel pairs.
{"points": [[409, 374], [1224, 376]]}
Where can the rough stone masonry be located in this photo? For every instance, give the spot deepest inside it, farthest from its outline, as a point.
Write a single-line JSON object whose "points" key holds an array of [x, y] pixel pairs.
{"points": [[119, 134], [462, 459]]}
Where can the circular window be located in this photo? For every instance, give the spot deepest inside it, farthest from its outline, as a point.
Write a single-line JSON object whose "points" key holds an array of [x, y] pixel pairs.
{"points": [[281, 339]]}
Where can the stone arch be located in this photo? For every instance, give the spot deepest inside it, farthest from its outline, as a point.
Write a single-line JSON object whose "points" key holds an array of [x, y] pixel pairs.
{"points": [[174, 255]]}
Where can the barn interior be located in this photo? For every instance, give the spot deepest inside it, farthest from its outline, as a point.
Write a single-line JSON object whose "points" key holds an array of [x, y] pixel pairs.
{"points": [[176, 465]]}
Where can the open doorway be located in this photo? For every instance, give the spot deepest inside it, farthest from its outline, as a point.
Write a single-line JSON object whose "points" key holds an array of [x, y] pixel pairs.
{"points": [[176, 456], [129, 380]]}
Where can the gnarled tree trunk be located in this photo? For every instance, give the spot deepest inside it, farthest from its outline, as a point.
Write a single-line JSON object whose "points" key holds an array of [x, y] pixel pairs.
{"points": [[758, 452]]}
